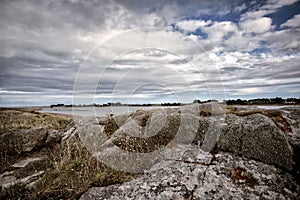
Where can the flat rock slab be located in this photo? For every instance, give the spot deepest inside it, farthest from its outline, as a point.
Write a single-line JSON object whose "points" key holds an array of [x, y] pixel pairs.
{"points": [[23, 163], [198, 175], [9, 180]]}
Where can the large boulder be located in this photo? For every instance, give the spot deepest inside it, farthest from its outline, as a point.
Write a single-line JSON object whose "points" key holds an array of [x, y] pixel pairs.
{"points": [[256, 136]]}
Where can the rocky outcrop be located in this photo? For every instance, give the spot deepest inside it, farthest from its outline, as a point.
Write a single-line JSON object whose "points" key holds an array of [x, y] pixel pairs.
{"points": [[25, 155], [195, 174], [252, 158], [26, 149], [22, 141], [253, 135], [199, 151]]}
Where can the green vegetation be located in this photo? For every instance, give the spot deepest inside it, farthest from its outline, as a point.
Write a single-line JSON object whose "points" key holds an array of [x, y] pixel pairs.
{"points": [[110, 127]]}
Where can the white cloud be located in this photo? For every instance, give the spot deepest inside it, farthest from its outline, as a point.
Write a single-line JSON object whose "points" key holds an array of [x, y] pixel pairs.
{"points": [[269, 7], [217, 33], [240, 8], [244, 91], [294, 22], [242, 42], [258, 25], [274, 4], [283, 41], [192, 25]]}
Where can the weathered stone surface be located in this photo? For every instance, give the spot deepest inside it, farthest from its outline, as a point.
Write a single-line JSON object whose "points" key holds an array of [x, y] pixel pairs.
{"points": [[23, 163], [92, 136], [184, 171], [53, 137], [198, 175], [24, 141], [292, 115], [21, 141], [205, 109], [263, 140], [232, 134], [256, 136]]}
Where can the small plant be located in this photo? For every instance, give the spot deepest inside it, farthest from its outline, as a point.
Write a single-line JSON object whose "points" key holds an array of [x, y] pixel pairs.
{"points": [[241, 176], [110, 127], [205, 113]]}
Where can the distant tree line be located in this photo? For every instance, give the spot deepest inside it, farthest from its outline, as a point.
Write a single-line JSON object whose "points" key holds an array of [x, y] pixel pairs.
{"points": [[264, 101], [199, 101], [261, 101], [114, 104]]}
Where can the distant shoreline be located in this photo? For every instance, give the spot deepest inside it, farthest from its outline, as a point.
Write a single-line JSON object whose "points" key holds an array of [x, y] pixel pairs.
{"points": [[38, 108]]}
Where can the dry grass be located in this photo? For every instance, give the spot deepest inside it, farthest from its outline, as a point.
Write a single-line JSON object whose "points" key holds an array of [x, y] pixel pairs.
{"points": [[25, 119], [70, 168], [72, 171], [13, 123], [75, 170]]}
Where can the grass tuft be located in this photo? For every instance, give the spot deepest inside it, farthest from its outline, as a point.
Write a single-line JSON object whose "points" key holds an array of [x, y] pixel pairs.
{"points": [[75, 170]]}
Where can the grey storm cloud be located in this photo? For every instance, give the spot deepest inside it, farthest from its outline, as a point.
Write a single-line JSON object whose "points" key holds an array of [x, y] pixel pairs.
{"points": [[47, 46]]}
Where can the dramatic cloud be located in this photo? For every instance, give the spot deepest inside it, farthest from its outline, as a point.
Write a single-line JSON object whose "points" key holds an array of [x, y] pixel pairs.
{"points": [[147, 51]]}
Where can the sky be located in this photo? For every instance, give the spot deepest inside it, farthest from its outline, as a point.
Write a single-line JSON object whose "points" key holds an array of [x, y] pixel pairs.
{"points": [[156, 51]]}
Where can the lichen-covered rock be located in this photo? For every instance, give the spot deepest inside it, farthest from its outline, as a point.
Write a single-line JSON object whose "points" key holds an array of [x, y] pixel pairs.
{"points": [[256, 136], [91, 136], [263, 140], [200, 175], [231, 137], [292, 115], [17, 142], [205, 109], [161, 144]]}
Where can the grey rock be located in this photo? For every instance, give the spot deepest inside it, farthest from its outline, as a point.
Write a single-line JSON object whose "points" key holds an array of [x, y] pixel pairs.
{"points": [[231, 137], [256, 136], [22, 141], [198, 175], [205, 109], [92, 136], [33, 138], [53, 137], [179, 169], [23, 163], [263, 140]]}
